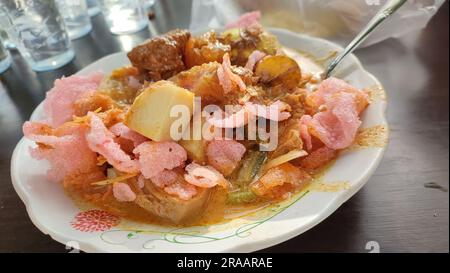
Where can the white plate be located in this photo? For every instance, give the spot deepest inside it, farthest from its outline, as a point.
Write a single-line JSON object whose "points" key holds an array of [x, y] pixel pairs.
{"points": [[96, 231]]}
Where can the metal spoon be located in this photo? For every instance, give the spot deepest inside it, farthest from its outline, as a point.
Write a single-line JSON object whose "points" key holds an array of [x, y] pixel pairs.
{"points": [[389, 8]]}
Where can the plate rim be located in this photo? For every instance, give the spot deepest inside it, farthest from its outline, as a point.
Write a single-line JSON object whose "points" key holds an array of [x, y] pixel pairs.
{"points": [[89, 246]]}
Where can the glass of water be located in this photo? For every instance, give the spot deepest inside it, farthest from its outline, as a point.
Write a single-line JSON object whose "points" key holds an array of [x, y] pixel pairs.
{"points": [[124, 16], [93, 8], [147, 4], [4, 23], [38, 31], [76, 17], [5, 58]]}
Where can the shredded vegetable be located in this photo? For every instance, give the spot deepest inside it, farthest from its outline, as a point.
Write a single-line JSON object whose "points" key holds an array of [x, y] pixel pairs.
{"points": [[241, 196], [114, 180], [247, 173], [285, 158]]}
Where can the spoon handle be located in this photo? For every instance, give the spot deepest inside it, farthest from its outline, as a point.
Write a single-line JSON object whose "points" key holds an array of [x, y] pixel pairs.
{"points": [[389, 8]]}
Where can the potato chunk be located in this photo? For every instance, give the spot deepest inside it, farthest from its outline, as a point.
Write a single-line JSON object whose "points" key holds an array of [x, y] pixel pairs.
{"points": [[150, 113]]}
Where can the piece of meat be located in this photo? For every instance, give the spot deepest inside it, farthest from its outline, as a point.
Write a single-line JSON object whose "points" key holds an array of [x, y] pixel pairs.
{"points": [[158, 202], [318, 158], [121, 130], [101, 140], [224, 155], [65, 148], [204, 49], [227, 78], [155, 157], [245, 20], [255, 57], [58, 103], [161, 57], [204, 176], [123, 193], [280, 181]]}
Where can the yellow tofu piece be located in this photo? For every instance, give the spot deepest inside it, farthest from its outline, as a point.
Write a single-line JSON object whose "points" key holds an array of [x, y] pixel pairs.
{"points": [[150, 113]]}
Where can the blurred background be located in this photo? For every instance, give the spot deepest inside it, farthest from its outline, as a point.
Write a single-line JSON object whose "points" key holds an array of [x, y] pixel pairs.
{"points": [[42, 40]]}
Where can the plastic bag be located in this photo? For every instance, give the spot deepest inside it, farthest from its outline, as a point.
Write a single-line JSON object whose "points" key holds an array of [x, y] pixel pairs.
{"points": [[335, 20]]}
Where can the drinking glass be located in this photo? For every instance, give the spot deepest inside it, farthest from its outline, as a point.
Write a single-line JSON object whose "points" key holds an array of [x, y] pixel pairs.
{"points": [[76, 17], [124, 16], [4, 24], [38, 31], [147, 4], [5, 59], [7, 43], [93, 8]]}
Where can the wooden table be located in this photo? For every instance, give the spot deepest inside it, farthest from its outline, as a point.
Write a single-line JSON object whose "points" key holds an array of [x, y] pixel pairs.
{"points": [[394, 209]]}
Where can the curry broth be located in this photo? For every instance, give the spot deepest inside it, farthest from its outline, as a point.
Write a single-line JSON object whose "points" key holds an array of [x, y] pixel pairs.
{"points": [[216, 210]]}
